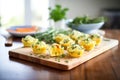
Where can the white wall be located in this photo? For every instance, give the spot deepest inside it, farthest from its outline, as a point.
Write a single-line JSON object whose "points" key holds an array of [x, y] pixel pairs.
{"points": [[91, 8]]}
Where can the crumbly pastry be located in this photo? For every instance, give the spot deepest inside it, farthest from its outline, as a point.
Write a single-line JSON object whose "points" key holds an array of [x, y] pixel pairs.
{"points": [[74, 43], [28, 41]]}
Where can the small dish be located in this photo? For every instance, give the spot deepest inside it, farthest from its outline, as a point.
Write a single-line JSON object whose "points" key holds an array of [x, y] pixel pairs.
{"points": [[13, 30]]}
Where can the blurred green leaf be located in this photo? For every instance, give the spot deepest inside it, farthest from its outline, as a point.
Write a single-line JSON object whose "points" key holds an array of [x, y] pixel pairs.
{"points": [[58, 13], [87, 20]]}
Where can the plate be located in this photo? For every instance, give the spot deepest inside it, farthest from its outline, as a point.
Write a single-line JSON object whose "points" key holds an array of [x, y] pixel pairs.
{"points": [[12, 31]]}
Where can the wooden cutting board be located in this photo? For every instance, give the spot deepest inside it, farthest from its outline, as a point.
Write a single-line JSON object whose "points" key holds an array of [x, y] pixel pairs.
{"points": [[63, 63]]}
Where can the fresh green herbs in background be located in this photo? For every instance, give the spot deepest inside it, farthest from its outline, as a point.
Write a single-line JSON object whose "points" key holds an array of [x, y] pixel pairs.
{"points": [[58, 13], [87, 20]]}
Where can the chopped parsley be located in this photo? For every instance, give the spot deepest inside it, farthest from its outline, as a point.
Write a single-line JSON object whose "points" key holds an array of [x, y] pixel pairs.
{"points": [[105, 39], [73, 46], [66, 61], [66, 40]]}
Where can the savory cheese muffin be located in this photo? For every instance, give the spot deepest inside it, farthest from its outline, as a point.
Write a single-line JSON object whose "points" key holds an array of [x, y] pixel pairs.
{"points": [[66, 42], [88, 44], [28, 41], [56, 50], [75, 34], [97, 38], [39, 47], [82, 37], [60, 37], [75, 50]]}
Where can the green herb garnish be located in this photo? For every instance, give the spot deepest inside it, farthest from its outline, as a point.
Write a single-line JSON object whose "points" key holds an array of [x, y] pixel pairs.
{"points": [[62, 56], [106, 39], [58, 59], [48, 36], [66, 61]]}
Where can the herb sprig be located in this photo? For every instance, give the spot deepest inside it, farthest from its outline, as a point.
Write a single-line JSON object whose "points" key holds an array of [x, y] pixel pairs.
{"points": [[48, 36], [58, 13]]}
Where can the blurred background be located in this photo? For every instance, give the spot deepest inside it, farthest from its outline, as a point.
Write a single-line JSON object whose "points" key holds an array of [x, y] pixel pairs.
{"points": [[35, 12]]}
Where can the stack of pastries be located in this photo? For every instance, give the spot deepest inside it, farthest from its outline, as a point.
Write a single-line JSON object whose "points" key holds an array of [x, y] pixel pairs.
{"points": [[75, 43]]}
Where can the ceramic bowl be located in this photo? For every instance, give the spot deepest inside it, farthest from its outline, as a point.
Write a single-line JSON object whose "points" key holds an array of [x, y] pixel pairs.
{"points": [[86, 28]]}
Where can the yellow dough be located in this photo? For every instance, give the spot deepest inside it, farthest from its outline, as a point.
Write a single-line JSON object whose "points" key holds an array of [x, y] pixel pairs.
{"points": [[56, 50], [75, 34], [88, 44], [96, 38], [60, 37], [75, 50], [39, 47], [67, 42], [28, 41]]}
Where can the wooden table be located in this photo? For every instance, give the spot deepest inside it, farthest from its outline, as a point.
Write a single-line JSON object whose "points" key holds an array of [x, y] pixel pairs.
{"points": [[104, 67]]}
